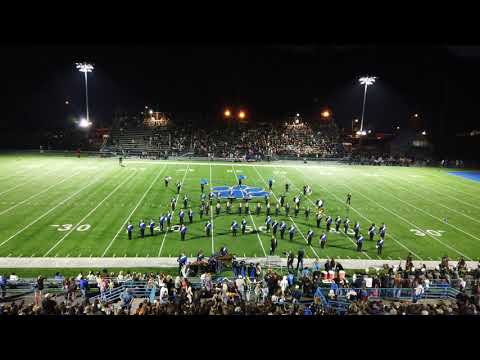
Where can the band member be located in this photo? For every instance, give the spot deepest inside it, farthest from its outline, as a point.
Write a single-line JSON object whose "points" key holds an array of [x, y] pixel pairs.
{"points": [[179, 186], [267, 199], [223, 251], [208, 228], [190, 215], [129, 230], [346, 224], [270, 184], [383, 230], [356, 229], [349, 198], [183, 231], [274, 227], [307, 213], [309, 237], [379, 246], [247, 208], [239, 208], [283, 227], [229, 207], [371, 231], [234, 227], [287, 209], [244, 226], [268, 209], [202, 207], [297, 209], [323, 240], [161, 221], [286, 187], [173, 204], [169, 220], [319, 219], [291, 232], [217, 208], [277, 209], [185, 202], [142, 227], [151, 226], [282, 200], [268, 221], [181, 215], [338, 221], [329, 222], [167, 179], [360, 243], [258, 208]]}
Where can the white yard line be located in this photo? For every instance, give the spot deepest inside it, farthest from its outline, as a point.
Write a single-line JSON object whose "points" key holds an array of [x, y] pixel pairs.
{"points": [[49, 211], [291, 219], [469, 186], [166, 232], [90, 212], [409, 222], [26, 182], [251, 217], [353, 242], [135, 208], [364, 217], [425, 198], [40, 193], [211, 211], [429, 214]]}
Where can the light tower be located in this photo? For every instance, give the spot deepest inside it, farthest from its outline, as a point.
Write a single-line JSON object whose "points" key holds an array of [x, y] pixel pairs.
{"points": [[85, 68], [365, 80]]}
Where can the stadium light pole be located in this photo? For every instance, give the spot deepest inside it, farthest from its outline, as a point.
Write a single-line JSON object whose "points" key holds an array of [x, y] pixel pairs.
{"points": [[365, 80], [85, 68]]}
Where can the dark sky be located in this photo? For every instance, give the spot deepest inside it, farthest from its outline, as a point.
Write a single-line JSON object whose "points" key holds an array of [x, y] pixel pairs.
{"points": [[269, 80]]}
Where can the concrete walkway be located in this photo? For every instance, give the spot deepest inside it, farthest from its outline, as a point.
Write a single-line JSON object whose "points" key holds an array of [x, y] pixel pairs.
{"points": [[165, 262]]}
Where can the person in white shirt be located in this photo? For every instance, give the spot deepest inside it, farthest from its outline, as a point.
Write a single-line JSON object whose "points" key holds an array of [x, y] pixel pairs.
{"points": [[283, 284], [240, 283], [163, 295], [13, 278]]}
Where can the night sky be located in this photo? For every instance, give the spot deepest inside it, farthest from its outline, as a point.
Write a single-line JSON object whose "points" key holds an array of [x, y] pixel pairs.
{"points": [[270, 81]]}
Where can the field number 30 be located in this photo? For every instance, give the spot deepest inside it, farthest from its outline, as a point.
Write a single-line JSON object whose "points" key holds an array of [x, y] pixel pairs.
{"points": [[429, 232], [67, 227]]}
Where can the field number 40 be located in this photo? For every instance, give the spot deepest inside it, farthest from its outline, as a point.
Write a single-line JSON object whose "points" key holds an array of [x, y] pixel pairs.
{"points": [[67, 227], [429, 232]]}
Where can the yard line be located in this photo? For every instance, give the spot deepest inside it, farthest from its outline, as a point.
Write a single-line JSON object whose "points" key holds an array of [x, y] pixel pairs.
{"points": [[91, 212], [469, 186], [446, 207], [364, 217], [211, 210], [409, 222], [166, 232], [366, 254], [135, 208], [432, 216], [41, 192], [251, 217], [49, 211], [449, 196], [300, 231], [26, 182]]}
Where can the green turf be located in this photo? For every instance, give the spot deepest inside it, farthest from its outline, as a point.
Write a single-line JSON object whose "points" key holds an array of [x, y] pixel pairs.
{"points": [[99, 197]]}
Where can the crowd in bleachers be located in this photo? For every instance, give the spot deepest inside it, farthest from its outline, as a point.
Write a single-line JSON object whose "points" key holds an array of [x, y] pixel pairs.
{"points": [[266, 292]]}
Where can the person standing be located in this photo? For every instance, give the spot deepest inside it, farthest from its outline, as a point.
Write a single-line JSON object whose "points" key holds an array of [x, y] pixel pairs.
{"points": [[346, 224], [183, 232], [338, 221], [277, 210], [379, 246], [274, 228], [309, 237], [268, 221], [258, 209], [360, 243], [181, 215], [142, 227], [291, 232], [283, 228], [270, 184], [329, 222], [323, 240], [349, 198], [300, 256], [286, 187], [151, 226], [287, 209], [307, 213], [273, 245], [166, 181], [161, 222], [356, 229], [244, 226], [190, 215], [290, 259], [234, 227], [179, 186], [129, 230], [208, 228], [319, 219]]}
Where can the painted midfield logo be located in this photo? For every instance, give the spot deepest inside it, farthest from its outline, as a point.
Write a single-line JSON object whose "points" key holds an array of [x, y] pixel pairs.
{"points": [[239, 192]]}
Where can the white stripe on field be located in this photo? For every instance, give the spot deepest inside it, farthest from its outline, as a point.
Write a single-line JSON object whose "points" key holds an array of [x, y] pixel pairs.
{"points": [[166, 232], [91, 212], [40, 193], [135, 208], [251, 217]]}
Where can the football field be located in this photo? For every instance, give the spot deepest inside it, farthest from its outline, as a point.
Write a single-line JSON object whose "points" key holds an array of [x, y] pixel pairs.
{"points": [[60, 206]]}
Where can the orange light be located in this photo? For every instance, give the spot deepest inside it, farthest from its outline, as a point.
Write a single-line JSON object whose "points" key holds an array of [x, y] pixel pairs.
{"points": [[241, 115], [227, 113], [326, 114]]}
